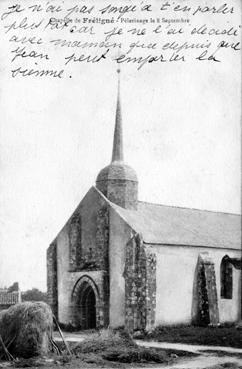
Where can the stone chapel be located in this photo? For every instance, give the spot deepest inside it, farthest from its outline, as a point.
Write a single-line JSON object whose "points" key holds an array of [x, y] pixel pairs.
{"points": [[119, 261]]}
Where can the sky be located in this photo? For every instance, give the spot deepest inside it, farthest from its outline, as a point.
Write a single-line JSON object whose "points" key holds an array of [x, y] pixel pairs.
{"points": [[181, 126]]}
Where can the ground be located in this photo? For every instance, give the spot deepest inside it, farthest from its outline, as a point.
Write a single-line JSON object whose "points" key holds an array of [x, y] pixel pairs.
{"points": [[115, 349]]}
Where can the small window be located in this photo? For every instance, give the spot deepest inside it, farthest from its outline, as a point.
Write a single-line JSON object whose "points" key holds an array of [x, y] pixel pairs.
{"points": [[226, 278]]}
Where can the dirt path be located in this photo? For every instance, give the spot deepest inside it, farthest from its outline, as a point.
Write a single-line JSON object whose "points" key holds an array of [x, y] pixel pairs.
{"points": [[79, 337], [204, 360], [71, 337], [188, 347]]}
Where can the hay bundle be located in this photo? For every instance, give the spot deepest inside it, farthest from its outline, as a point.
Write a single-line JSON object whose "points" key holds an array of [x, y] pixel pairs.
{"points": [[26, 329]]}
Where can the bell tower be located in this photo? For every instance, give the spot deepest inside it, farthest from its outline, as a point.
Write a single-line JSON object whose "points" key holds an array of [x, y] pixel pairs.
{"points": [[118, 181]]}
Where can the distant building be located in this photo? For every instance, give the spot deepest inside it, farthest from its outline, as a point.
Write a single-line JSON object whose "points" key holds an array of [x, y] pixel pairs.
{"points": [[120, 261], [8, 299]]}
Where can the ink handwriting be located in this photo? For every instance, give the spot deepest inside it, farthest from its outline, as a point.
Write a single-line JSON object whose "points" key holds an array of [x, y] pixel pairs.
{"points": [[46, 39]]}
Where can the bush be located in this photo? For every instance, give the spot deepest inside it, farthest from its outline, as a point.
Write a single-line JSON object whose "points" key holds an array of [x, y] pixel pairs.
{"points": [[34, 295]]}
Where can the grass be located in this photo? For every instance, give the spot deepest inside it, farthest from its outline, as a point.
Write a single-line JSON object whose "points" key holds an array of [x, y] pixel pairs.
{"points": [[215, 336]]}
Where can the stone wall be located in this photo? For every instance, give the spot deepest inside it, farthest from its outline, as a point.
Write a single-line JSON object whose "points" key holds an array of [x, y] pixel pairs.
{"points": [[140, 286], [52, 293], [88, 248], [82, 248], [102, 238], [121, 192], [150, 289], [75, 242], [208, 312]]}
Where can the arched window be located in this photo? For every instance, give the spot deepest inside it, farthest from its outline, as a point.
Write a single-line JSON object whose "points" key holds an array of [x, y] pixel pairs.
{"points": [[226, 278]]}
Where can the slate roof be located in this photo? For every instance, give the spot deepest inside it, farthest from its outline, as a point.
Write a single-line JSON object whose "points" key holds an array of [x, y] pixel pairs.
{"points": [[117, 170], [160, 224]]}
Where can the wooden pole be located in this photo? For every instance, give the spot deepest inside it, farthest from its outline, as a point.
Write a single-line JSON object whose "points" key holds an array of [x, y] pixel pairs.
{"points": [[58, 327], [7, 353]]}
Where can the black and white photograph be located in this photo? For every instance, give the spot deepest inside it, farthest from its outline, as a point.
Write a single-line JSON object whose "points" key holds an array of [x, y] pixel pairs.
{"points": [[120, 183]]}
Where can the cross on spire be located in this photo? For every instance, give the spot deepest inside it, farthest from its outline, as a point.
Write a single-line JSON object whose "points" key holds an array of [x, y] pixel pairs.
{"points": [[118, 131]]}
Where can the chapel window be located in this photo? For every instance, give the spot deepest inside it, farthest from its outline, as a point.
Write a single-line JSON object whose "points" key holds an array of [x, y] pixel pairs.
{"points": [[226, 278]]}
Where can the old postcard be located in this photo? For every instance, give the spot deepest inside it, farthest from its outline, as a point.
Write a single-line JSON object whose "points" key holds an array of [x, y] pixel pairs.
{"points": [[120, 165]]}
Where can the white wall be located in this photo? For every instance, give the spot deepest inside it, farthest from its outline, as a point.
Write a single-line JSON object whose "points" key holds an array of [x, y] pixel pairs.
{"points": [[175, 282], [62, 275], [119, 234]]}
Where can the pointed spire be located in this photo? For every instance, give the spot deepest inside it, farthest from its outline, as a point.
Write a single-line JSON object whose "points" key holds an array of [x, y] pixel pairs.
{"points": [[118, 132]]}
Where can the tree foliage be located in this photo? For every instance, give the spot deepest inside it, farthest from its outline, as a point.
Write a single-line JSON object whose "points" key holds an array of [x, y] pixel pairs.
{"points": [[34, 295], [14, 287]]}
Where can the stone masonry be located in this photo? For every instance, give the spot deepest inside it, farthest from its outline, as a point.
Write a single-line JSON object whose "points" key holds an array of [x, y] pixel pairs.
{"points": [[75, 241], [81, 255], [52, 278], [140, 286], [208, 312]]}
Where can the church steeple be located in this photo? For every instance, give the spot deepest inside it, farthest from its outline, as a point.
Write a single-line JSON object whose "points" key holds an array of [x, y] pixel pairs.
{"points": [[118, 132], [118, 181]]}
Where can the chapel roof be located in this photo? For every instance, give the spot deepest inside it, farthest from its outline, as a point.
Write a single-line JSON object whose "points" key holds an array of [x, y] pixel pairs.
{"points": [[117, 170], [170, 225]]}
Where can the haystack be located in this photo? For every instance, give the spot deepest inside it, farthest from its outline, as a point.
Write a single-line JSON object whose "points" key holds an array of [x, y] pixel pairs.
{"points": [[26, 329]]}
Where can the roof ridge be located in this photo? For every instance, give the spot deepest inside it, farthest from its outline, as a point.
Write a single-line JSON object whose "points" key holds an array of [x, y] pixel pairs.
{"points": [[183, 207]]}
